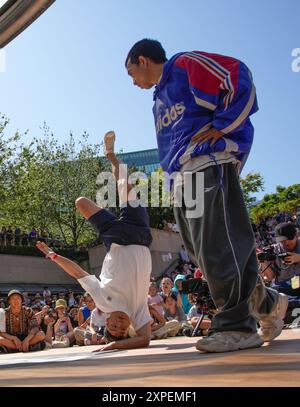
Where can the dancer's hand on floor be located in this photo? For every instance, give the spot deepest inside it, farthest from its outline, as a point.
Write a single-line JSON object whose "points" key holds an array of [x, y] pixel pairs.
{"points": [[109, 346]]}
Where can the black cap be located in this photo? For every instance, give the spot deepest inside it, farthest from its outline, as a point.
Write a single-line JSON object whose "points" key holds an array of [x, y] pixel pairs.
{"points": [[12, 292], [285, 231]]}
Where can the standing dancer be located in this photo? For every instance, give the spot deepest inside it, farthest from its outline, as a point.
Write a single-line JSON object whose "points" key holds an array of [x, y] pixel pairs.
{"points": [[202, 108]]}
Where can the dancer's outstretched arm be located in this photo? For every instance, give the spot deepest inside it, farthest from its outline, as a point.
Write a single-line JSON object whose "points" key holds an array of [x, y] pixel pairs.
{"points": [[67, 265]]}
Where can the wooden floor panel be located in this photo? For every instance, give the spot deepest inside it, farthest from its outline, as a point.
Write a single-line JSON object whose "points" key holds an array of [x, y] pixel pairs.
{"points": [[173, 362]]}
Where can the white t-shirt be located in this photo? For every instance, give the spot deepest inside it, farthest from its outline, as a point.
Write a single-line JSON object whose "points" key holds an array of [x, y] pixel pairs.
{"points": [[123, 284], [97, 319]]}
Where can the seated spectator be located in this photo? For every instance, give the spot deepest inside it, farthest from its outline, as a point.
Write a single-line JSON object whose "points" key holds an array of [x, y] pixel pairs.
{"points": [[9, 236], [85, 311], [172, 311], [2, 303], [43, 237], [184, 255], [48, 301], [53, 301], [162, 328], [174, 273], [3, 236], [36, 308], [41, 313], [26, 299], [155, 299], [22, 331], [61, 296], [166, 287], [94, 335], [175, 227], [198, 273], [2, 322], [73, 312], [24, 239], [17, 236], [46, 292], [187, 271], [47, 326], [71, 299], [80, 301], [182, 298], [38, 300], [194, 315], [83, 248], [32, 237], [84, 315], [63, 329]]}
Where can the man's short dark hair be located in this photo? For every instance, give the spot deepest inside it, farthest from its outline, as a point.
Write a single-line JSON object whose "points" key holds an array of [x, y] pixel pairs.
{"points": [[147, 48]]}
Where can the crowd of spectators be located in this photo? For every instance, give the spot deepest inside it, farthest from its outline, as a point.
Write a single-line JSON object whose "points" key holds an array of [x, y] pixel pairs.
{"points": [[17, 237], [265, 230], [47, 320]]}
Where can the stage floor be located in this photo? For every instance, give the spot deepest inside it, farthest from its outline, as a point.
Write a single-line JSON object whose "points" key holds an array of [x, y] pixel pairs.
{"points": [[172, 362]]}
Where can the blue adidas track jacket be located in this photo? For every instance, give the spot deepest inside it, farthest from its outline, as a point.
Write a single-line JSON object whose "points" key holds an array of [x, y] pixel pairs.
{"points": [[198, 91]]}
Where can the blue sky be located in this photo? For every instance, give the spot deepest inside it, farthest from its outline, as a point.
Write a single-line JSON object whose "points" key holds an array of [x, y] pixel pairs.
{"points": [[68, 69]]}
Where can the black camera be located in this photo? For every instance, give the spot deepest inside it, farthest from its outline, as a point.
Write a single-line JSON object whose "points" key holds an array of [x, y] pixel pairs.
{"points": [[201, 292], [203, 301], [98, 330], [268, 254]]}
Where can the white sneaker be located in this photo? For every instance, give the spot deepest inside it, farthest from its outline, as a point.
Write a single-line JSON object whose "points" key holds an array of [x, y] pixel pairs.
{"points": [[109, 142], [271, 326], [229, 341]]}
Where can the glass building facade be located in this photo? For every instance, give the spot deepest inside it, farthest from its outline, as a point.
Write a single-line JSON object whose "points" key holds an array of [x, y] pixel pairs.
{"points": [[146, 160]]}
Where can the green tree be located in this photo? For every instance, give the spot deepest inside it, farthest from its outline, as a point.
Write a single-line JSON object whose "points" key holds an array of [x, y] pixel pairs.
{"points": [[7, 154], [47, 179], [284, 200], [252, 183]]}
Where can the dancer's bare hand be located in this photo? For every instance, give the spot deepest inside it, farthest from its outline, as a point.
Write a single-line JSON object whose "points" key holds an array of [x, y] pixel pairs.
{"points": [[45, 249], [109, 346]]}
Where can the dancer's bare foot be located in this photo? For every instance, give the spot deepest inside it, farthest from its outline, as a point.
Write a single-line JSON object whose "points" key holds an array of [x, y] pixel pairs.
{"points": [[109, 142]]}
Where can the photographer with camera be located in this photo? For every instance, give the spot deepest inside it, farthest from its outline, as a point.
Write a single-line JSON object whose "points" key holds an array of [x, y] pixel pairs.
{"points": [[280, 262]]}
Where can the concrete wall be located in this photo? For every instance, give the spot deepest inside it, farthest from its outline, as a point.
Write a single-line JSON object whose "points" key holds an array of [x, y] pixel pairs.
{"points": [[31, 270], [36, 270]]}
